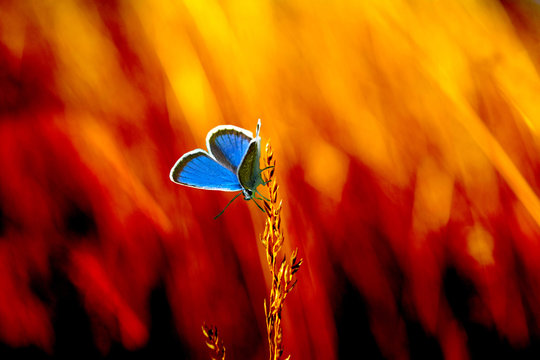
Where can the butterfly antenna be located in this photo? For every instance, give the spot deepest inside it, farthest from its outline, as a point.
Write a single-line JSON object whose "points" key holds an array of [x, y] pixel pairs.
{"points": [[259, 206], [258, 128], [222, 211]]}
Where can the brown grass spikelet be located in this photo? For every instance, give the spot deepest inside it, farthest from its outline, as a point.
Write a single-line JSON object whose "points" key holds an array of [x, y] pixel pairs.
{"points": [[282, 274], [214, 343]]}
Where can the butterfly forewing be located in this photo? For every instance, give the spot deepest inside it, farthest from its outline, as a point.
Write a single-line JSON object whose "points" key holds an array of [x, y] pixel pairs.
{"points": [[197, 169], [228, 144], [249, 173]]}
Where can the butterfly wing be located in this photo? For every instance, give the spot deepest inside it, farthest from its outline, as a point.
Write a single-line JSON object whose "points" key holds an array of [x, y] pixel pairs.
{"points": [[249, 173], [228, 145], [197, 169]]}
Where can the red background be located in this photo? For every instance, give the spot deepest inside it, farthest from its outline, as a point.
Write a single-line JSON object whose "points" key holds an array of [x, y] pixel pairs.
{"points": [[406, 135]]}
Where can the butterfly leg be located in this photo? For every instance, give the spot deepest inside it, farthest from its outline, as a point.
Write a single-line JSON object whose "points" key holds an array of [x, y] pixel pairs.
{"points": [[268, 167], [259, 206], [261, 195], [222, 211], [258, 198]]}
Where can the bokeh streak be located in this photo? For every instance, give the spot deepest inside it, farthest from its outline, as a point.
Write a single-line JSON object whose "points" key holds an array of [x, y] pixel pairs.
{"points": [[407, 138]]}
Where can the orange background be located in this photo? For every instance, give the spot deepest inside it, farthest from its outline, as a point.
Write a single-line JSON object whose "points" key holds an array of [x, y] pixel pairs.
{"points": [[406, 135]]}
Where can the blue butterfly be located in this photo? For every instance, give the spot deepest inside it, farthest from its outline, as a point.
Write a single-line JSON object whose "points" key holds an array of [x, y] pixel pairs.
{"points": [[231, 163]]}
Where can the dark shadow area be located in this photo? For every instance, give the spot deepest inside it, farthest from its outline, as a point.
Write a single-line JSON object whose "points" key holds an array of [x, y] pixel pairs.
{"points": [[73, 333], [164, 342], [2, 223], [26, 352], [80, 222], [355, 340], [483, 342], [72, 329], [421, 344]]}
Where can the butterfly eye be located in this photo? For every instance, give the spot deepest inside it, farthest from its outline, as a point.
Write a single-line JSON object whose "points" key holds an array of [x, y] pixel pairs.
{"points": [[248, 194]]}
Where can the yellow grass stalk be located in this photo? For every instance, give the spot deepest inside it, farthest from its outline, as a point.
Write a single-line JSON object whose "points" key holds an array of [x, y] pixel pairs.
{"points": [[282, 273], [214, 343]]}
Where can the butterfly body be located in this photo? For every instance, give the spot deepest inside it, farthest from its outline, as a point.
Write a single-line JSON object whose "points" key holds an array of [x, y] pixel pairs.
{"points": [[230, 164]]}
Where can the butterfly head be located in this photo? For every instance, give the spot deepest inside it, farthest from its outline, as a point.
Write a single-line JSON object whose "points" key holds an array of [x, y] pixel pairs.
{"points": [[248, 194]]}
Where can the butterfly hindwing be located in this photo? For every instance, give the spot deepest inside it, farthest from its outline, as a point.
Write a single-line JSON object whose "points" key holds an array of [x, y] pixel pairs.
{"points": [[197, 169], [228, 145], [249, 173]]}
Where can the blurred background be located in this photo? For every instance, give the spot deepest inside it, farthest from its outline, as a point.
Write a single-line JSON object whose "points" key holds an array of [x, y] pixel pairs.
{"points": [[406, 135]]}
